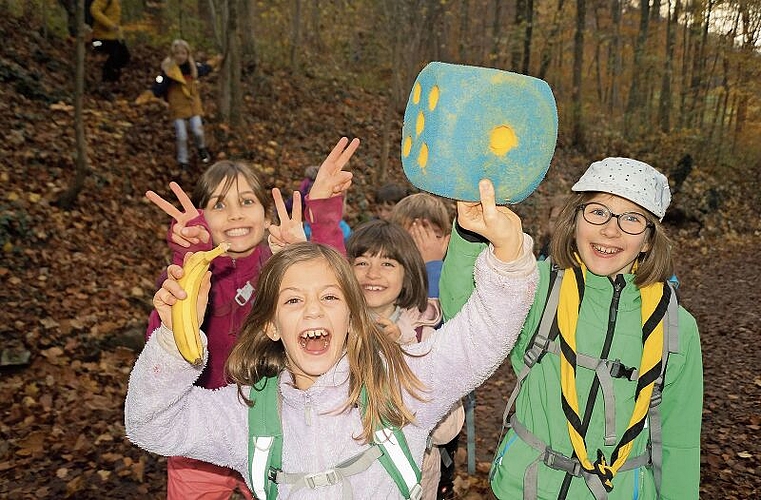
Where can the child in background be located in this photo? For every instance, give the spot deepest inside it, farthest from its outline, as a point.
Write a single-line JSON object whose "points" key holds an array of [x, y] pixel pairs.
{"points": [[338, 375], [310, 174], [306, 183], [108, 39], [392, 275], [616, 403], [231, 204], [386, 197], [178, 84], [427, 219]]}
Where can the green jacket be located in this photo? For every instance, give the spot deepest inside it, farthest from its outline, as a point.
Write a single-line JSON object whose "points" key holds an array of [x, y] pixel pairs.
{"points": [[538, 405]]}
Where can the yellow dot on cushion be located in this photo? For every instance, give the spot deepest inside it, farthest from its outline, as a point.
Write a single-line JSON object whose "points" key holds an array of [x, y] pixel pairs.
{"points": [[416, 91], [420, 123], [407, 147], [502, 140], [433, 98], [422, 158]]}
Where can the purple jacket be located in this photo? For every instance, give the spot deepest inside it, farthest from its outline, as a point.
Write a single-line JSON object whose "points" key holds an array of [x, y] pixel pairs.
{"points": [[165, 414], [233, 284]]}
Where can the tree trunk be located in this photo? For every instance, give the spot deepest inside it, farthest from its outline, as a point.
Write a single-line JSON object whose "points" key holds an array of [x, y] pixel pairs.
{"points": [[316, 29], [747, 67], [464, 52], [549, 48], [234, 60], [68, 198], [248, 38], [70, 7], [295, 37], [665, 103], [496, 35], [614, 57], [635, 103], [578, 65], [519, 24], [527, 36]]}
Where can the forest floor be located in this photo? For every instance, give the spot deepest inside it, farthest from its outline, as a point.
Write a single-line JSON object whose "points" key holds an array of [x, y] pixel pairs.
{"points": [[76, 284]]}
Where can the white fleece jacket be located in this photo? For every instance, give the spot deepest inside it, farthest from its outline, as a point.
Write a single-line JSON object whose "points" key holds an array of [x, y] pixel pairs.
{"points": [[166, 414]]}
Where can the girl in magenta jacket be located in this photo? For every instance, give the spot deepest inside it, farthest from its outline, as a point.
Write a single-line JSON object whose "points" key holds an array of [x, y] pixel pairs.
{"points": [[231, 204]]}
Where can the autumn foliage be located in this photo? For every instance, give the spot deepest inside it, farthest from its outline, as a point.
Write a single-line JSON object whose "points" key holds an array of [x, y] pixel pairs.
{"points": [[77, 284]]}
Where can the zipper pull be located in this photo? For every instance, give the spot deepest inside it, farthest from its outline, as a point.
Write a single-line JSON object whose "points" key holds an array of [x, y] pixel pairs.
{"points": [[308, 411]]}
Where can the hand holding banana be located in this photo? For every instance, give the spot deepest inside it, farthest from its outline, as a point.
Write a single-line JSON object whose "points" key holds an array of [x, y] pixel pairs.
{"points": [[181, 301]]}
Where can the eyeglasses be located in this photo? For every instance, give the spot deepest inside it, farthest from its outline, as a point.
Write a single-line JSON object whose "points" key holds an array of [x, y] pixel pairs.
{"points": [[629, 222]]}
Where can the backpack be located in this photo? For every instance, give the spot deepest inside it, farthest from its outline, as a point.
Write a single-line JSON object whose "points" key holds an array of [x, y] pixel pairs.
{"points": [[266, 449], [543, 341], [89, 19]]}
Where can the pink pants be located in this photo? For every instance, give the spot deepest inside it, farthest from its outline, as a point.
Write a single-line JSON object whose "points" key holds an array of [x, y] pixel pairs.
{"points": [[189, 479]]}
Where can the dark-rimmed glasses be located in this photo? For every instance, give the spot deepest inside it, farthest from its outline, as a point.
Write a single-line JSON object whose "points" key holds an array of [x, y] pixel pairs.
{"points": [[629, 222]]}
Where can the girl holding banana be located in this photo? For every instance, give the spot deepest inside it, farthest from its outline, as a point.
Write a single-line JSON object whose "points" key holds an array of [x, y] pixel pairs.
{"points": [[342, 385]]}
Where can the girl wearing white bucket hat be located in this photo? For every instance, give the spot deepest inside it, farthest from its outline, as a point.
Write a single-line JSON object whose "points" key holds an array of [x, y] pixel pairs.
{"points": [[614, 409]]}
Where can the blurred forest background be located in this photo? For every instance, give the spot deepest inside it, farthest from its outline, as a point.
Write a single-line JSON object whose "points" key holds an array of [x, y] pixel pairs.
{"points": [[671, 82]]}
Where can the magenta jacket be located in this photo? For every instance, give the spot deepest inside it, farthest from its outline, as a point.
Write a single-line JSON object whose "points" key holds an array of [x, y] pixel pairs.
{"points": [[233, 284]]}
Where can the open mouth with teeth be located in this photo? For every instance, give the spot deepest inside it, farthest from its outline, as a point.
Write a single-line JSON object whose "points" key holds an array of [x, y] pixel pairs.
{"points": [[315, 341], [605, 250], [239, 231]]}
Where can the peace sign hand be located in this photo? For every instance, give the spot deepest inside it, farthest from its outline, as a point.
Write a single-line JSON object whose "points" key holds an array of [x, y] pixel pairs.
{"points": [[498, 224], [291, 228], [331, 180], [181, 234]]}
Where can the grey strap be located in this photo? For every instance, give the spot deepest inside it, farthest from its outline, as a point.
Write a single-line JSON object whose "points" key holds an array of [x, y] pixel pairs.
{"points": [[554, 460], [608, 399], [539, 344], [470, 425], [339, 473], [558, 461]]}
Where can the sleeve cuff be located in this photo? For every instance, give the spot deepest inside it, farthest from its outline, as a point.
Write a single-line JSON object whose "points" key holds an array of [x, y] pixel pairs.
{"points": [[469, 236], [523, 265], [165, 338]]}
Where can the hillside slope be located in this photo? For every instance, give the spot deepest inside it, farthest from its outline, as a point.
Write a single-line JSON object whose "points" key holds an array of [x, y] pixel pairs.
{"points": [[76, 285]]}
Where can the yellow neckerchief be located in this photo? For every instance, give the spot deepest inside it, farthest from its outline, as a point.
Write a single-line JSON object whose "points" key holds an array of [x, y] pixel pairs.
{"points": [[649, 370]]}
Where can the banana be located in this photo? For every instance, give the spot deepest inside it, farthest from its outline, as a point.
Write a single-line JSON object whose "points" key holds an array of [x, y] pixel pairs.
{"points": [[187, 333]]}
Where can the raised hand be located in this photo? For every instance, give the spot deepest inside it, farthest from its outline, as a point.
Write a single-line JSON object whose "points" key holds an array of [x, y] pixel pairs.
{"points": [[498, 224], [431, 245], [182, 234], [291, 228], [170, 292], [331, 180], [390, 328]]}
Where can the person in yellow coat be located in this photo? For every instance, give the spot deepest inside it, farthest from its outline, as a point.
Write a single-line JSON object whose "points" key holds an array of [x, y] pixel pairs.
{"points": [[178, 84], [107, 37]]}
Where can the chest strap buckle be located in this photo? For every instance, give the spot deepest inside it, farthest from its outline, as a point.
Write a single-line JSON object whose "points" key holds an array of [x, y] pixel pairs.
{"points": [[558, 461], [320, 479]]}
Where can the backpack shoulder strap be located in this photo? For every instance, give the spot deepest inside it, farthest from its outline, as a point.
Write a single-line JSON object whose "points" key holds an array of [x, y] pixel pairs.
{"points": [[266, 449], [266, 437], [540, 341], [670, 344], [396, 457]]}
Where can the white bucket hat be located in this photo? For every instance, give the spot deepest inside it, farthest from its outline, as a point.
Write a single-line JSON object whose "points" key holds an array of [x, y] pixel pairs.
{"points": [[631, 179]]}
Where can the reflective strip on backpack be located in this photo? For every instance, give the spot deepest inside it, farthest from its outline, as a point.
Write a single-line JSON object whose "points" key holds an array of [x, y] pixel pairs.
{"points": [[261, 446], [387, 440]]}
